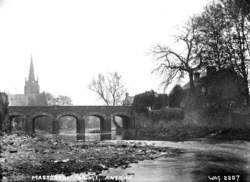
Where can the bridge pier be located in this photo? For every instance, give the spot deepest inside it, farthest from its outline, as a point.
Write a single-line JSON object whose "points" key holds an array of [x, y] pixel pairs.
{"points": [[80, 128], [126, 123], [30, 126], [106, 129], [55, 126]]}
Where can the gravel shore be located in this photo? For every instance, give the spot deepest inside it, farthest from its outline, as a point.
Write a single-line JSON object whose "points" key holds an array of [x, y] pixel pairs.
{"points": [[23, 156]]}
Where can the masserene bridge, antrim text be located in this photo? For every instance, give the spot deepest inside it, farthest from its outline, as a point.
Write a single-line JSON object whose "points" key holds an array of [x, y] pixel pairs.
{"points": [[104, 113]]}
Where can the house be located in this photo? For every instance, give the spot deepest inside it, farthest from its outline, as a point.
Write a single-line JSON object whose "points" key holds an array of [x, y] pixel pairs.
{"points": [[128, 101], [218, 88]]}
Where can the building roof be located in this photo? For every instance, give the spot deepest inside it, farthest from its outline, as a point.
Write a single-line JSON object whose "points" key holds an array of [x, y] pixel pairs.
{"points": [[128, 100], [214, 77]]}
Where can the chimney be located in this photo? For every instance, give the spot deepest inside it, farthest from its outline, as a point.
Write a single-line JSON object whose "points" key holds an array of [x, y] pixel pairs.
{"points": [[196, 76]]}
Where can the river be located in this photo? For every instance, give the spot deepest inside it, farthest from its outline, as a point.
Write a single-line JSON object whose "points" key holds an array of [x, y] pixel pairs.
{"points": [[199, 160]]}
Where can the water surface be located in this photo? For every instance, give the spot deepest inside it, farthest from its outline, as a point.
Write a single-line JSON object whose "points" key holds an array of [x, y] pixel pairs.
{"points": [[197, 161], [200, 160]]}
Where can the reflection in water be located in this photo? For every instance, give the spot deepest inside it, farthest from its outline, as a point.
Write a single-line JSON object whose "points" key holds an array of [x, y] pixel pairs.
{"points": [[97, 136]]}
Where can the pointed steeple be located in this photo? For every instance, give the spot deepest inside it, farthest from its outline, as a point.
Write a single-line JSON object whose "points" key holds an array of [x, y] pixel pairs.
{"points": [[31, 72], [31, 85]]}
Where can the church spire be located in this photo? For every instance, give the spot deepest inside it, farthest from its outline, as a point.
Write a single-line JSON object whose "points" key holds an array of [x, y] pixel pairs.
{"points": [[31, 73], [31, 85]]}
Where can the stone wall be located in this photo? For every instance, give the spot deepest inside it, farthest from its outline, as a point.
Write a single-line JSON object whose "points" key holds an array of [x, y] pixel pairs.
{"points": [[241, 120]]}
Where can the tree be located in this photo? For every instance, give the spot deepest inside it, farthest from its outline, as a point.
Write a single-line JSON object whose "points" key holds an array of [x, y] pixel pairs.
{"points": [[161, 101], [109, 88], [60, 100], [64, 100], [244, 5], [171, 64], [51, 100], [176, 96], [142, 102], [224, 34], [212, 30], [239, 41]]}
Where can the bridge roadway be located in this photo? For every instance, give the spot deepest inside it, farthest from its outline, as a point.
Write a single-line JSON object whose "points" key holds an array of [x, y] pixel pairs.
{"points": [[104, 113]]}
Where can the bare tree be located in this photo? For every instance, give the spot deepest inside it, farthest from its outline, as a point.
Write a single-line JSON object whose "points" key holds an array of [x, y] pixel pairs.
{"points": [[109, 88], [172, 64], [64, 100], [61, 100]]}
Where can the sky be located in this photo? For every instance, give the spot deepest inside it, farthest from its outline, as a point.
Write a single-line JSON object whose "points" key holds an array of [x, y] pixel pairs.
{"points": [[71, 41]]}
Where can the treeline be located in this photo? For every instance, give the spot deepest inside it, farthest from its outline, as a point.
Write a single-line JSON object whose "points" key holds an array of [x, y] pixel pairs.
{"points": [[151, 100], [218, 37]]}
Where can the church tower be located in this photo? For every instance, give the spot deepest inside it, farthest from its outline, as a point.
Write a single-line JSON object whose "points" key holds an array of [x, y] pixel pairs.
{"points": [[32, 95], [31, 88]]}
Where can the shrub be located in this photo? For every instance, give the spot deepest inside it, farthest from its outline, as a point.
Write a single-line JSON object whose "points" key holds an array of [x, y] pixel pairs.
{"points": [[143, 101], [162, 100], [149, 99]]}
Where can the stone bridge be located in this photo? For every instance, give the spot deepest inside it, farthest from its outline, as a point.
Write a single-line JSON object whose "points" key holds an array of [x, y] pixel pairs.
{"points": [[104, 113]]}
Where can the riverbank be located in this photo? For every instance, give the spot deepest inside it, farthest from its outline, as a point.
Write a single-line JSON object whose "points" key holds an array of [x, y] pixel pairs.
{"points": [[23, 157], [195, 124], [185, 133]]}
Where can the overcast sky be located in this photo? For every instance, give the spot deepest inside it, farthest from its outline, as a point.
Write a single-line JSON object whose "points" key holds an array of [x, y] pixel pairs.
{"points": [[71, 41]]}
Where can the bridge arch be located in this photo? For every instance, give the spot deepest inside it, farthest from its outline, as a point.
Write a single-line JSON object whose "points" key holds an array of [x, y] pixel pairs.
{"points": [[77, 117], [38, 115], [126, 119], [104, 123], [17, 120], [97, 114], [80, 112], [72, 114]]}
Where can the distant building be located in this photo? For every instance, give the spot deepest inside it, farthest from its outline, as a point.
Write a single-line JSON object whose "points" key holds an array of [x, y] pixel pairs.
{"points": [[128, 101], [32, 95]]}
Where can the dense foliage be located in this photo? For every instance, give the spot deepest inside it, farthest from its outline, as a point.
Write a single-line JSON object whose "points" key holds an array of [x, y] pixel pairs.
{"points": [[161, 101], [176, 96], [149, 100], [142, 102], [219, 37]]}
